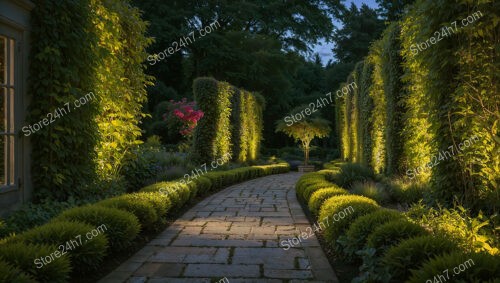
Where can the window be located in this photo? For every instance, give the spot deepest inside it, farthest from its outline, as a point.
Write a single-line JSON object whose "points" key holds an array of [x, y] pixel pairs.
{"points": [[7, 96]]}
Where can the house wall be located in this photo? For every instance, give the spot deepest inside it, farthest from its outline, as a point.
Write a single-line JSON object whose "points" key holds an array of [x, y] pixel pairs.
{"points": [[15, 17]]}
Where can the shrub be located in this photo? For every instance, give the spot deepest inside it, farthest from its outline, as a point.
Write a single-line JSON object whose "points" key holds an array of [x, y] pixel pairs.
{"points": [[357, 235], [320, 196], [412, 253], [178, 192], [85, 255], [371, 190], [408, 192], [122, 227], [481, 267], [212, 137], [472, 234], [203, 184], [393, 232], [27, 258], [32, 215], [10, 273], [336, 204], [157, 200], [309, 183], [143, 210], [352, 172]]}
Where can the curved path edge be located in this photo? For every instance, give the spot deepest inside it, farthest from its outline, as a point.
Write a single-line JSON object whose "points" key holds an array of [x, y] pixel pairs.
{"points": [[234, 234]]}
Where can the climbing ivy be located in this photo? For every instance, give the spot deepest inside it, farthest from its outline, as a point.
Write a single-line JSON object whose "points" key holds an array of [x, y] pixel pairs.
{"points": [[81, 47], [61, 71]]}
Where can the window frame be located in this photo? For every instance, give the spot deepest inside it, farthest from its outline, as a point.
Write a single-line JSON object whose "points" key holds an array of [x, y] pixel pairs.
{"points": [[12, 33]]}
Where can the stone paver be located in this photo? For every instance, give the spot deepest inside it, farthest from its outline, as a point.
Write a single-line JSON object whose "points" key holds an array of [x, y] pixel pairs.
{"points": [[235, 234]]}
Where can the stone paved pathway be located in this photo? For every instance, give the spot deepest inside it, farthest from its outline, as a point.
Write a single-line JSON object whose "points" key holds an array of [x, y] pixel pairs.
{"points": [[234, 234]]}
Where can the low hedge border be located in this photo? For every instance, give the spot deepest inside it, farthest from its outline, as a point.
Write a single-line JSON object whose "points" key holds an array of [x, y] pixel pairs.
{"points": [[124, 216], [382, 237]]}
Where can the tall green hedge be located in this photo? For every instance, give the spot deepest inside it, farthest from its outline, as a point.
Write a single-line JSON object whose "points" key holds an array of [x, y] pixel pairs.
{"points": [[393, 89], [378, 115], [365, 110], [460, 85], [232, 121], [247, 123], [62, 69], [427, 104], [80, 47]]}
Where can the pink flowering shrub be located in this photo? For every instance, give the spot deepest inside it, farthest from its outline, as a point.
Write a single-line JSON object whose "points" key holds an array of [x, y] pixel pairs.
{"points": [[183, 113]]}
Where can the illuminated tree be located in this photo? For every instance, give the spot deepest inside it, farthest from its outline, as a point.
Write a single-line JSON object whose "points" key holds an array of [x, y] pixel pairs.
{"points": [[304, 131]]}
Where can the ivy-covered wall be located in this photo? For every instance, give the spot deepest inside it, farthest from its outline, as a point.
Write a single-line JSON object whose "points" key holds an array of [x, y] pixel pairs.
{"points": [[90, 51], [433, 112], [232, 122]]}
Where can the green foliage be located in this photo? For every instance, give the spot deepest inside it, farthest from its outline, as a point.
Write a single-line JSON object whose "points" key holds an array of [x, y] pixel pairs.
{"points": [[461, 65], [85, 256], [177, 191], [62, 70], [143, 210], [24, 256], [356, 236], [352, 206], [377, 192], [408, 192], [32, 215], [211, 135], [471, 234], [70, 61], [412, 253], [378, 114], [428, 99], [311, 182], [232, 122], [360, 28], [159, 201], [247, 123], [9, 273], [391, 72], [141, 167], [304, 131], [479, 267], [351, 173], [365, 108], [320, 196], [122, 88], [122, 227], [391, 233]]}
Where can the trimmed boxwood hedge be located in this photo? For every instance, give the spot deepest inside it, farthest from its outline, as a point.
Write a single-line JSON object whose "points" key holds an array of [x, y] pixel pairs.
{"points": [[160, 202], [24, 256], [392, 233], [10, 273], [18, 252], [309, 183], [122, 227], [484, 268], [144, 212], [320, 196], [85, 257], [481, 268], [360, 206], [355, 238], [412, 253]]}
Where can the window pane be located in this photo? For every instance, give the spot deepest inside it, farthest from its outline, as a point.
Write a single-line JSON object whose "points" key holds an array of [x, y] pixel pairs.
{"points": [[3, 104], [3, 150], [11, 161], [11, 64], [3, 52], [10, 110]]}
